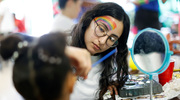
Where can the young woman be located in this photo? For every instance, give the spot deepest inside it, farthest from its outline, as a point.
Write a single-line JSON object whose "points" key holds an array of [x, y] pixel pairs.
{"points": [[100, 30], [42, 68]]}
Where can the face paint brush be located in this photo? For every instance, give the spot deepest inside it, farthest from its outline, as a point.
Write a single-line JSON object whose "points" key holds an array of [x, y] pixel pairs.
{"points": [[105, 57]]}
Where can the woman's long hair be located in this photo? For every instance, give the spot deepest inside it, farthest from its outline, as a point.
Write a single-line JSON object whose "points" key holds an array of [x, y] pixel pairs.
{"points": [[117, 12]]}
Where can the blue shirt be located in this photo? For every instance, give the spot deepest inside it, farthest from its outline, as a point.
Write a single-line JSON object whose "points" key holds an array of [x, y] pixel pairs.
{"points": [[152, 5]]}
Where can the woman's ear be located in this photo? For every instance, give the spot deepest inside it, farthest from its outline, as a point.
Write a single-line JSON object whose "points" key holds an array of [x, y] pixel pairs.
{"points": [[71, 81]]}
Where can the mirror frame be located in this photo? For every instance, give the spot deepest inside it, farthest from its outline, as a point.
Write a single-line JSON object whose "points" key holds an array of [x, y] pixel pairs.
{"points": [[168, 53]]}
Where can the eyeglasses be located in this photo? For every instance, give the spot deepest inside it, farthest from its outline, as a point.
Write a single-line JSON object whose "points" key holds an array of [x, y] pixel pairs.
{"points": [[102, 30]]}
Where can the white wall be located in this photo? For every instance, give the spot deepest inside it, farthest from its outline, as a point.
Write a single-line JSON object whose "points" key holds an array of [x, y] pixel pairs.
{"points": [[38, 14]]}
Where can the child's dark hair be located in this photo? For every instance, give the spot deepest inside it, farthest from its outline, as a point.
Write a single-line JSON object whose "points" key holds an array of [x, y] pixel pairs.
{"points": [[41, 68], [9, 44]]}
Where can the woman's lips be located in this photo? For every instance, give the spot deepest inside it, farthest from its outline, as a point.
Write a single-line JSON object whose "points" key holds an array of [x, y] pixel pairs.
{"points": [[96, 47]]}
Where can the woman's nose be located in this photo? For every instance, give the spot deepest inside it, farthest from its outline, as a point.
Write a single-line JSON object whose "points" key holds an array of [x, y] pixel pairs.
{"points": [[102, 40]]}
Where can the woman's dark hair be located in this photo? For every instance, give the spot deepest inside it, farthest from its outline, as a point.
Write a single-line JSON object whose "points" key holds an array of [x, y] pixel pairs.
{"points": [[117, 12], [37, 74]]}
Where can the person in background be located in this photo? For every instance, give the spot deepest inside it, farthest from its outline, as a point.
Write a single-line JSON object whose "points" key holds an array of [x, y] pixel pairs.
{"points": [[102, 29], [63, 22], [147, 14], [87, 5], [42, 68]]}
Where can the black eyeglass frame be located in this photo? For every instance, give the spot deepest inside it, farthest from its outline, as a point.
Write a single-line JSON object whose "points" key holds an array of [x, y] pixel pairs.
{"points": [[115, 43]]}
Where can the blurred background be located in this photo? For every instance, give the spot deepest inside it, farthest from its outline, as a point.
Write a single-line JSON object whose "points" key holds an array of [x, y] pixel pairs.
{"points": [[37, 15], [35, 18]]}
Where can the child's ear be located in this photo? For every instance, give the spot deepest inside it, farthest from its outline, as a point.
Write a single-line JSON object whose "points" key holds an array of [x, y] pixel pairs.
{"points": [[71, 81]]}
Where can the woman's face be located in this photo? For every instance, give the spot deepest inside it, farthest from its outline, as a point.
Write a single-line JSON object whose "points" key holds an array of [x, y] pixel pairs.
{"points": [[101, 33]]}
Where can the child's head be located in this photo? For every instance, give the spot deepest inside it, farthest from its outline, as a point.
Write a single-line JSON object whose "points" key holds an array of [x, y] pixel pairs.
{"points": [[41, 70], [70, 8]]}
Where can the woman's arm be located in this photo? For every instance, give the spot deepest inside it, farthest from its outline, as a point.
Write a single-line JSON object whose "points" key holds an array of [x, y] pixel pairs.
{"points": [[80, 59]]}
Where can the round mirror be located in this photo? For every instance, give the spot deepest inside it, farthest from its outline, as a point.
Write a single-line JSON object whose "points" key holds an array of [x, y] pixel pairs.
{"points": [[150, 51]]}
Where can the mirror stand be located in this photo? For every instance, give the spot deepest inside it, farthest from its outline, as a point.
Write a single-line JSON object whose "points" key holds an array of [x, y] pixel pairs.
{"points": [[151, 86]]}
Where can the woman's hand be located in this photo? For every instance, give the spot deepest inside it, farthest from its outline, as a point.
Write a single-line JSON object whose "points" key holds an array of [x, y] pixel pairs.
{"points": [[111, 93], [113, 90], [80, 59]]}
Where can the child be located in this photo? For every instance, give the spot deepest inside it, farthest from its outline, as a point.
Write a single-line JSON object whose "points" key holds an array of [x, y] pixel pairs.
{"points": [[42, 69]]}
